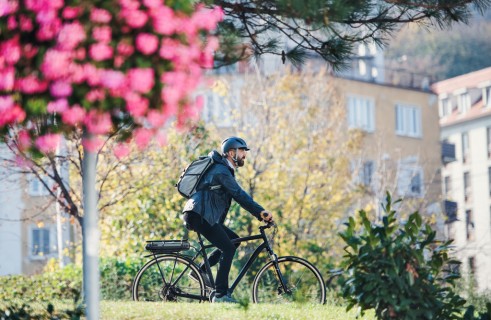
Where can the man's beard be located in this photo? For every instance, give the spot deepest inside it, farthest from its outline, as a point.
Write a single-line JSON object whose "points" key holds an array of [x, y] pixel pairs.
{"points": [[240, 162]]}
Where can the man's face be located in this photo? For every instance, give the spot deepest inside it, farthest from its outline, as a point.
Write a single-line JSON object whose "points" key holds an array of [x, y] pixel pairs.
{"points": [[241, 155]]}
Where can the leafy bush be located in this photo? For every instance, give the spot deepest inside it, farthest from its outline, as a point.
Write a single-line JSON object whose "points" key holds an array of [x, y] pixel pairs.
{"points": [[66, 283], [399, 270]]}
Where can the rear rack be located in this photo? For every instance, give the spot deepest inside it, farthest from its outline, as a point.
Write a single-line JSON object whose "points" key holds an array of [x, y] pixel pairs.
{"points": [[167, 246]]}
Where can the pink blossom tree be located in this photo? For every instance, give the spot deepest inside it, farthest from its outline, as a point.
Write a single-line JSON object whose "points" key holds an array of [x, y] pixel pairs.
{"points": [[100, 68]]}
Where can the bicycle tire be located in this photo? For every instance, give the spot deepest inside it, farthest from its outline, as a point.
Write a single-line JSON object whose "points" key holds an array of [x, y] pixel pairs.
{"points": [[302, 279], [149, 283]]}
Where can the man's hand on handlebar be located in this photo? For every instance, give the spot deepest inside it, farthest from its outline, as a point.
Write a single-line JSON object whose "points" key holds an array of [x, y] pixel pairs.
{"points": [[266, 216]]}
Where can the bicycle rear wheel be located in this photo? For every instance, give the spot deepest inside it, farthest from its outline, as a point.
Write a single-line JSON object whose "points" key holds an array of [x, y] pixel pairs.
{"points": [[167, 279], [303, 283]]}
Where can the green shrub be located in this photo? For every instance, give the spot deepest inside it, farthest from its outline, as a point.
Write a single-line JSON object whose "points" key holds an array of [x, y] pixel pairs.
{"points": [[399, 270], [66, 283]]}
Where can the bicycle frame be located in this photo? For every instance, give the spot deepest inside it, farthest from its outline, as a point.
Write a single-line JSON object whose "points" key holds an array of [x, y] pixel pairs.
{"points": [[201, 251]]}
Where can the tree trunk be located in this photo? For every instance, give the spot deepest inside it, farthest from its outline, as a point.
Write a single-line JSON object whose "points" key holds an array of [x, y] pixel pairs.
{"points": [[91, 237]]}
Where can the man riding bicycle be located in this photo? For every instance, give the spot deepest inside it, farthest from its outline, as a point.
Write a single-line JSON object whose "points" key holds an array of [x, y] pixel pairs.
{"points": [[206, 210]]}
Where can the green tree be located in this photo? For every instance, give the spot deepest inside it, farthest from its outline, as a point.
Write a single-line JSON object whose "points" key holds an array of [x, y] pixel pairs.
{"points": [[153, 209], [298, 166], [295, 29]]}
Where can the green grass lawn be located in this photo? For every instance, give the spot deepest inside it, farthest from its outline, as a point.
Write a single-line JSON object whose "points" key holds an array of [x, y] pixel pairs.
{"points": [[142, 310], [125, 310]]}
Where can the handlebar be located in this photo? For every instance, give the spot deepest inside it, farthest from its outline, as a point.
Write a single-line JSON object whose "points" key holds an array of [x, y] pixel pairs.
{"points": [[270, 224]]}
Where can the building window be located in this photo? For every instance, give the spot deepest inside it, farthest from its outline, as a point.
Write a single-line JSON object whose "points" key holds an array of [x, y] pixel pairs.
{"points": [[467, 186], [408, 121], [367, 173], [361, 113], [486, 94], [464, 102], [447, 187], [472, 265], [469, 224], [410, 180], [362, 67], [488, 138], [37, 188], [40, 245], [465, 147], [489, 181], [445, 107]]}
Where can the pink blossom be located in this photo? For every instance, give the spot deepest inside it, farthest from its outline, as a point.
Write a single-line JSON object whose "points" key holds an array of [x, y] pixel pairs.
{"points": [[147, 43], [156, 119], [6, 103], [125, 49], [102, 34], [25, 23], [95, 95], [163, 20], [118, 61], [73, 116], [207, 19], [7, 7], [121, 151], [77, 74], [57, 106], [129, 4], [10, 50], [60, 89], [56, 64], [141, 79], [173, 77], [70, 36], [93, 144], [29, 51], [134, 18], [142, 137], [71, 12], [7, 77], [80, 54], [92, 74], [100, 15], [152, 4], [48, 143], [100, 51], [135, 104], [97, 122], [23, 140], [23, 162], [168, 48], [11, 23], [46, 16], [113, 79], [31, 84], [172, 95], [38, 5], [169, 109], [48, 31]]}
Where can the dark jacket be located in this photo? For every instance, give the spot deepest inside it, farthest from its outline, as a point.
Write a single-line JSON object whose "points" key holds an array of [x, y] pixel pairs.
{"points": [[213, 205]]}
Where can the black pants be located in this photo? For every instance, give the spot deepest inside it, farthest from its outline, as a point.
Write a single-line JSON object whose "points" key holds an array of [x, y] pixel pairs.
{"points": [[219, 236]]}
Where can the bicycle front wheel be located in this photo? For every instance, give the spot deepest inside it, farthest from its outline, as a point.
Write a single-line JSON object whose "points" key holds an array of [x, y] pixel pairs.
{"points": [[166, 278], [302, 282]]}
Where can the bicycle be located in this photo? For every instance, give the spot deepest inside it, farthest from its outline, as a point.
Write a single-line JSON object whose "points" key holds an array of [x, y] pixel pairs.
{"points": [[283, 279]]}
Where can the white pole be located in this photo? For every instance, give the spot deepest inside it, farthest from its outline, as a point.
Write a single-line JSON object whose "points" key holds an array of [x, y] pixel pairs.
{"points": [[91, 237]]}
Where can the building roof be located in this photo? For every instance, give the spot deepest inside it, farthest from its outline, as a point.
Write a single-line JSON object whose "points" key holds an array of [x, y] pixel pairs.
{"points": [[468, 80]]}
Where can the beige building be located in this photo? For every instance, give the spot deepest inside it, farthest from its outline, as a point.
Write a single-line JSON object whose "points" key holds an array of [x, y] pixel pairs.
{"points": [[401, 150], [465, 120], [30, 228]]}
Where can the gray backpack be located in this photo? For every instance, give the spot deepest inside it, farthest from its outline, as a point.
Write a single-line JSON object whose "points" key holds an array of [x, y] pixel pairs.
{"points": [[191, 176]]}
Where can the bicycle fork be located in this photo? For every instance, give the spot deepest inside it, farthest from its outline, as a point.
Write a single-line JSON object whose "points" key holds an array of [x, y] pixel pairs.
{"points": [[283, 287]]}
